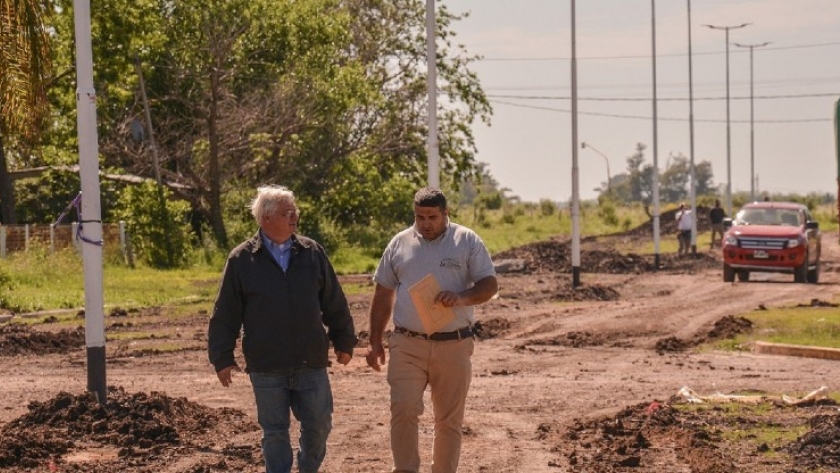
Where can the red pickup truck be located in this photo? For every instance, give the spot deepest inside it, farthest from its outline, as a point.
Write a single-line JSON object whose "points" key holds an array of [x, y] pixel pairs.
{"points": [[776, 237]]}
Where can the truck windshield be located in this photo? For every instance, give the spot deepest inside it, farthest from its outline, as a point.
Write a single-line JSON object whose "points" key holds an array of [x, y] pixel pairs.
{"points": [[767, 217]]}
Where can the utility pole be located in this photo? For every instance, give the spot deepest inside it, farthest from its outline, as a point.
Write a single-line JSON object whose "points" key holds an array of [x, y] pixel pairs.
{"points": [[431, 89], [752, 118], [728, 126], [692, 170], [90, 228], [575, 178]]}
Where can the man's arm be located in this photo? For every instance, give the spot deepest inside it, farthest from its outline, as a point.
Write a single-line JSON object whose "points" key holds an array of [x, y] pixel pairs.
{"points": [[226, 321], [380, 313], [336, 314], [481, 292]]}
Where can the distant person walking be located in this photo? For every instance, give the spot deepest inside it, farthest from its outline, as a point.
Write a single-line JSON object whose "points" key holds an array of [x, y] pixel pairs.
{"points": [[461, 264], [716, 216], [282, 290], [684, 221]]}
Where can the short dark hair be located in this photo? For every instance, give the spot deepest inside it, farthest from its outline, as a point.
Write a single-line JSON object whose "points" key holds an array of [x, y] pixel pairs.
{"points": [[430, 197]]}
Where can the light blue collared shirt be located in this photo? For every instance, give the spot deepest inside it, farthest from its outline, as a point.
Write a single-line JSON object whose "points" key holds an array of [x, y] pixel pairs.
{"points": [[281, 252]]}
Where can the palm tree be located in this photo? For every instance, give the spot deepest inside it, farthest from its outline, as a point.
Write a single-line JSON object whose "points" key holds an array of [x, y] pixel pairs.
{"points": [[24, 69]]}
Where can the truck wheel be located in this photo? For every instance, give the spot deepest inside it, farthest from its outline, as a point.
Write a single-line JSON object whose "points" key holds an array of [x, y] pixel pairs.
{"points": [[800, 274], [743, 275], [728, 273], [814, 274]]}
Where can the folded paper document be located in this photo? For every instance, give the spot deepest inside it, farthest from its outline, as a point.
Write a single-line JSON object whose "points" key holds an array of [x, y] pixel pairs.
{"points": [[433, 316]]}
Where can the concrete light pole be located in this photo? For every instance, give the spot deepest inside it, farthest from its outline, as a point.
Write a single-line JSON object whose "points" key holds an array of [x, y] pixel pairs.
{"points": [[431, 86], [752, 117], [656, 216], [91, 236], [575, 178], [728, 128], [692, 190]]}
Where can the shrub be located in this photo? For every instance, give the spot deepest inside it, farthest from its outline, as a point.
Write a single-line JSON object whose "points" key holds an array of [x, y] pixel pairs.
{"points": [[157, 224], [547, 208]]}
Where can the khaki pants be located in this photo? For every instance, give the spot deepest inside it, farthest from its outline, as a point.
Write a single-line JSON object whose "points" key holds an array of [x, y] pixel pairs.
{"points": [[445, 367]]}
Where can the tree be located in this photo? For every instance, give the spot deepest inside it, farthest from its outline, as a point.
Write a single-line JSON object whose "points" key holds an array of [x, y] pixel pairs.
{"points": [[327, 97], [705, 178], [24, 70], [636, 174], [673, 184]]}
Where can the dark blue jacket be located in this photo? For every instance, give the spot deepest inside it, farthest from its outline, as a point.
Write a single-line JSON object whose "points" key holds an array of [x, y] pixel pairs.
{"points": [[283, 314]]}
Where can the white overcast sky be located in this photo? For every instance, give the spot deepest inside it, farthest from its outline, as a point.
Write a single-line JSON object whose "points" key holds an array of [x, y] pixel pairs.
{"points": [[526, 46]]}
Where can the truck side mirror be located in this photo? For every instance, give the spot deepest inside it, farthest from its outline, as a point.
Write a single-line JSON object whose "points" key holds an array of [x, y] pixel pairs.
{"points": [[812, 225], [727, 223]]}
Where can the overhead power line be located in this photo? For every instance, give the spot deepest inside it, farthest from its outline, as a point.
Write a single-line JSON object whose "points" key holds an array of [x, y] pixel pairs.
{"points": [[648, 99], [642, 117], [647, 56]]}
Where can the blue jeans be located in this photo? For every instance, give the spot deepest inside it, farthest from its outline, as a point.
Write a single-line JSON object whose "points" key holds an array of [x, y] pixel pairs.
{"points": [[308, 395]]}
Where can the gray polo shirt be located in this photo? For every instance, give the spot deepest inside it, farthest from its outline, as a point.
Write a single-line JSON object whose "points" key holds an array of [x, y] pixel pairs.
{"points": [[457, 258]]}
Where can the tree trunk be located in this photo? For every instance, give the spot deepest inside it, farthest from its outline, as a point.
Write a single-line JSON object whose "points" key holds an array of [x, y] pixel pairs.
{"points": [[214, 199], [7, 190]]}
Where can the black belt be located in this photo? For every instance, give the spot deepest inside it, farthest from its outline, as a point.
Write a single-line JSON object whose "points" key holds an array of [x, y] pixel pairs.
{"points": [[460, 334]]}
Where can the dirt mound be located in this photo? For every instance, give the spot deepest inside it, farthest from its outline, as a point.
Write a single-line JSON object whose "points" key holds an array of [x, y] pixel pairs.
{"points": [[728, 327], [818, 303], [636, 440], [19, 339], [139, 429], [573, 340], [555, 256], [491, 328], [591, 292], [658, 436], [820, 447], [668, 223], [725, 327]]}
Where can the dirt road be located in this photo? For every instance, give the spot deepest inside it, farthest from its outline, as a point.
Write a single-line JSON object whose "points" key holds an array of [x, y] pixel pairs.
{"points": [[553, 364]]}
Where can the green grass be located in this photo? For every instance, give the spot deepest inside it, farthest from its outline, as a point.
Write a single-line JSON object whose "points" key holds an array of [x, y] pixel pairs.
{"points": [[812, 326], [349, 260], [37, 280], [133, 336], [523, 224]]}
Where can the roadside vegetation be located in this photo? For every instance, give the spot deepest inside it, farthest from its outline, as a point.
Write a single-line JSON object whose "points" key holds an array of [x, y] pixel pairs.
{"points": [[813, 325], [37, 280]]}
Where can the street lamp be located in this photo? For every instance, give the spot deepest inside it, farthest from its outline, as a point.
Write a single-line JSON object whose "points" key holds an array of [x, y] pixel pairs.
{"points": [[609, 179], [752, 117], [728, 131]]}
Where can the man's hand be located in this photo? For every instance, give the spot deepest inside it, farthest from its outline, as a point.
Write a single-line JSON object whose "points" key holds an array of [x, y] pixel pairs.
{"points": [[376, 356], [226, 375], [448, 299], [343, 357]]}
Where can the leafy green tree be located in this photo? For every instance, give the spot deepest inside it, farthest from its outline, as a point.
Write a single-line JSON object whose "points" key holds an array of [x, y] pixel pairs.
{"points": [[160, 234], [674, 181], [635, 173], [327, 97], [705, 178], [24, 71]]}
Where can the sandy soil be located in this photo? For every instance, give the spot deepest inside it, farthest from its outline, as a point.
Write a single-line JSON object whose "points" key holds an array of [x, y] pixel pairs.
{"points": [[582, 380]]}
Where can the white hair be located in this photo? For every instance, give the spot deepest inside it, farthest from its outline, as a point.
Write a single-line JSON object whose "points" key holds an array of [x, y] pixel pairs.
{"points": [[268, 199]]}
